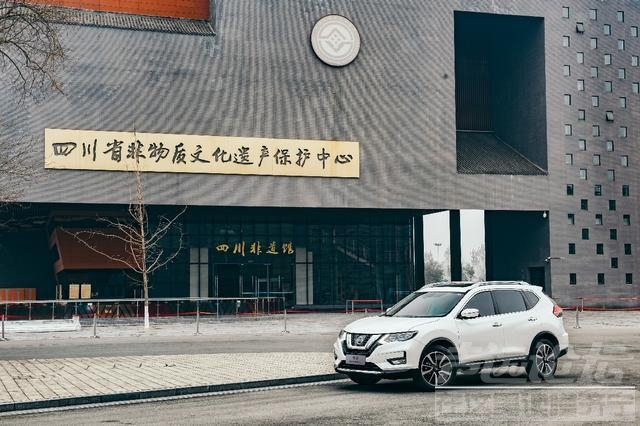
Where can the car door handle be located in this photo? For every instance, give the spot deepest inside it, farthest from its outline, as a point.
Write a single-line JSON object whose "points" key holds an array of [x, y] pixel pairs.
{"points": [[497, 324], [533, 319]]}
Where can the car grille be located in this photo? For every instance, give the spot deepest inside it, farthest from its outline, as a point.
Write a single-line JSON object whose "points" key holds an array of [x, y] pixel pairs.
{"points": [[367, 367], [359, 340]]}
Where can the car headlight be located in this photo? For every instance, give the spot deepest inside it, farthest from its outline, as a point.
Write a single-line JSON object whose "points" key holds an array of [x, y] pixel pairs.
{"points": [[397, 337]]}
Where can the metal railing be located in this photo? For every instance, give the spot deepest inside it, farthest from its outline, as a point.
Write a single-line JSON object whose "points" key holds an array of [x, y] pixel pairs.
{"points": [[604, 303], [114, 311], [367, 302]]}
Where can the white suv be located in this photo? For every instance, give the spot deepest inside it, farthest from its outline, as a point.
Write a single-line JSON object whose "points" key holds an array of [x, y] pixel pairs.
{"points": [[444, 327]]}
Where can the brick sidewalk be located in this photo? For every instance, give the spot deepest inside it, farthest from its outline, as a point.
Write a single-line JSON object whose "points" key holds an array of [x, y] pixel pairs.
{"points": [[29, 381]]}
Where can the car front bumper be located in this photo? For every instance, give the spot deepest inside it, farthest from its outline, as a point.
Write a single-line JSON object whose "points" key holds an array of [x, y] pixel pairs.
{"points": [[391, 360]]}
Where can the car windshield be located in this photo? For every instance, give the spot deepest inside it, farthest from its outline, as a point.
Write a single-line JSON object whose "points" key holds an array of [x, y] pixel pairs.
{"points": [[424, 305]]}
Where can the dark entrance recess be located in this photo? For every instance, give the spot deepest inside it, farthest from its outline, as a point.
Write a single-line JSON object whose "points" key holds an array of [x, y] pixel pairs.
{"points": [[537, 276], [516, 244], [500, 94]]}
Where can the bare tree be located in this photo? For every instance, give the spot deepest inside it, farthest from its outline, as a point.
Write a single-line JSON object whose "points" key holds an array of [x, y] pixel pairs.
{"points": [[31, 52], [433, 270], [31, 57], [140, 237]]}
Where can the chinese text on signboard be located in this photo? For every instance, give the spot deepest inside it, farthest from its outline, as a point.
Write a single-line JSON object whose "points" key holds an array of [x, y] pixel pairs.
{"points": [[155, 152]]}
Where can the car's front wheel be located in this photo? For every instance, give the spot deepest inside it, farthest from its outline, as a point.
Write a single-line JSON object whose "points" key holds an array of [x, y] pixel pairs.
{"points": [[437, 368], [543, 360], [364, 379]]}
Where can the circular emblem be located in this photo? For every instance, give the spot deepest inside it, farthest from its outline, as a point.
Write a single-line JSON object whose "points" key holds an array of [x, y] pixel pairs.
{"points": [[335, 40]]}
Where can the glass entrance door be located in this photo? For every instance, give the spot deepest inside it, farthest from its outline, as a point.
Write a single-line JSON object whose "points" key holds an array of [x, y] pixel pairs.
{"points": [[241, 280]]}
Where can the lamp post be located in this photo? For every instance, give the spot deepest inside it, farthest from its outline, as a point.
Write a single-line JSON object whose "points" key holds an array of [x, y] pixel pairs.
{"points": [[437, 250]]}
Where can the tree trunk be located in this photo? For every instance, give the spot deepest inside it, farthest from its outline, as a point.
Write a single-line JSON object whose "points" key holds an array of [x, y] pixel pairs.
{"points": [[146, 300]]}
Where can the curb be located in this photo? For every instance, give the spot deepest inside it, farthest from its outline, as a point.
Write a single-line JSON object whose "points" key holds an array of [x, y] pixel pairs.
{"points": [[160, 393]]}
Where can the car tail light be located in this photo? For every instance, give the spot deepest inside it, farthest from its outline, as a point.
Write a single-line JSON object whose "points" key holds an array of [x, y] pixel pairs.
{"points": [[557, 310]]}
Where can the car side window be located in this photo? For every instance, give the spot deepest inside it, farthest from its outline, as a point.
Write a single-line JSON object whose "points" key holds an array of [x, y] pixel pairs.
{"points": [[530, 299], [509, 301], [483, 302]]}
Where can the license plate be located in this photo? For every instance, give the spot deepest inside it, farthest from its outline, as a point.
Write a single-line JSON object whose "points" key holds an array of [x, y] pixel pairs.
{"points": [[356, 359]]}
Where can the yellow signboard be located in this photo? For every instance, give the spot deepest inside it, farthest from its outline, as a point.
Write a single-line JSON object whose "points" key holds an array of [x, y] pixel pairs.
{"points": [[156, 152]]}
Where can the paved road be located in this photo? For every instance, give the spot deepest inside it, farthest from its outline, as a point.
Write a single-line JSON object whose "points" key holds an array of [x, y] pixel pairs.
{"points": [[164, 345], [386, 403]]}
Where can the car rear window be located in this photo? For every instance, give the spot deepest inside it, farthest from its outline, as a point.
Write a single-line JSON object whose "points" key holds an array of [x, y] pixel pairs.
{"points": [[509, 301], [530, 299]]}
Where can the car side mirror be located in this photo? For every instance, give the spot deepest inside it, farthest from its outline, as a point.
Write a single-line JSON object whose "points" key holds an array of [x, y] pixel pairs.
{"points": [[469, 313]]}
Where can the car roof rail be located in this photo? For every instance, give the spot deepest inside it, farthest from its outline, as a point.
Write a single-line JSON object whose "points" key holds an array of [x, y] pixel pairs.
{"points": [[483, 283]]}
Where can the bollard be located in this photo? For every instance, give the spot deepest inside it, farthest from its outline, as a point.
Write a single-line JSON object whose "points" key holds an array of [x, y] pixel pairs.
{"points": [[2, 338], [197, 317], [285, 321], [157, 309], [577, 318], [53, 311], [29, 311], [136, 309], [75, 307], [117, 310], [95, 323], [178, 309]]}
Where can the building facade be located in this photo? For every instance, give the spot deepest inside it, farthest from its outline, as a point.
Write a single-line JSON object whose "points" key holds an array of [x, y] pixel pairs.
{"points": [[526, 110]]}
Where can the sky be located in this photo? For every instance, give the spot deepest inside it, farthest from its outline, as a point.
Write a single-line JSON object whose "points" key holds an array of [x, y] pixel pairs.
{"points": [[436, 230]]}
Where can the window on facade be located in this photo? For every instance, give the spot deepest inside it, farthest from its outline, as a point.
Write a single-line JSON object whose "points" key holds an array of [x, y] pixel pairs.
{"points": [[607, 59], [595, 101], [584, 204], [594, 72], [635, 60], [625, 190], [585, 233], [634, 31], [567, 99], [568, 159], [614, 262], [571, 218], [593, 14], [610, 146], [627, 249], [581, 85], [580, 27], [608, 86], [566, 70], [611, 175], [620, 44], [595, 160], [573, 278], [599, 248], [622, 102], [583, 174], [582, 114], [566, 41], [597, 191], [622, 131], [628, 278], [613, 234], [568, 130], [620, 16], [572, 248], [606, 29], [612, 205], [622, 73], [569, 189], [599, 219], [600, 278], [626, 219], [595, 130], [582, 144], [624, 160], [635, 88], [565, 11], [580, 57], [609, 115]]}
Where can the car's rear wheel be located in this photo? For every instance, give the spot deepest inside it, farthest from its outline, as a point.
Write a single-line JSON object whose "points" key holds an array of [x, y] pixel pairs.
{"points": [[543, 360], [437, 368], [364, 379]]}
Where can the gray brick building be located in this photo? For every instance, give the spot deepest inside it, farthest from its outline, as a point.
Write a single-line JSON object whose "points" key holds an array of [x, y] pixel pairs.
{"points": [[527, 110]]}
